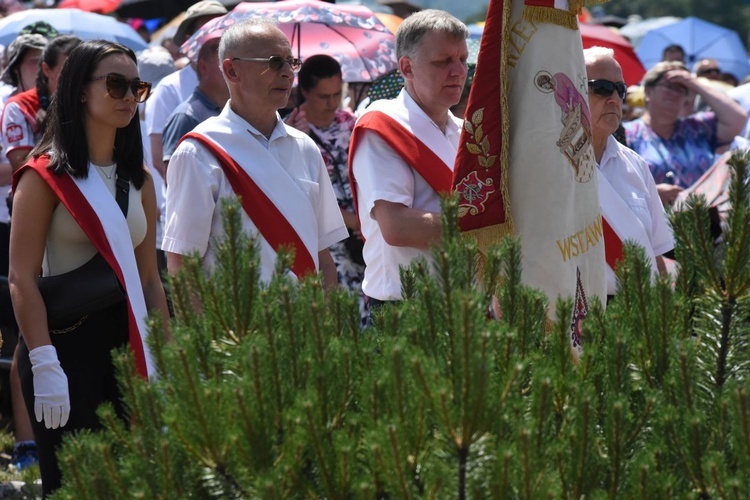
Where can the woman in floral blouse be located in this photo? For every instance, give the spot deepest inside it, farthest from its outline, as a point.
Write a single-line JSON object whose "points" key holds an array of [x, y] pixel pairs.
{"points": [[678, 149], [321, 116]]}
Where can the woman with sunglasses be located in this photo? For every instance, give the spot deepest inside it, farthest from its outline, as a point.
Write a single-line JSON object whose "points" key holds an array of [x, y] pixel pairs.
{"points": [[66, 210], [629, 201], [680, 149]]}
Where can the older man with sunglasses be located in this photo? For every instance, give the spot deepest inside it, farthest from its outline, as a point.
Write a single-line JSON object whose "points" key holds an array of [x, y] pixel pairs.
{"points": [[248, 152], [627, 192]]}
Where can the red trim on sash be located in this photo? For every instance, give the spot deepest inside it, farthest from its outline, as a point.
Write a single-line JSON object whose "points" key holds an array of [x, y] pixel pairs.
{"points": [[28, 103], [541, 3], [263, 213], [613, 252], [71, 197], [414, 152]]}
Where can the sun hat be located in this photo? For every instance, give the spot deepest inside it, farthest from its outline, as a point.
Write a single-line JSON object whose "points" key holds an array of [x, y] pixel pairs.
{"points": [[16, 51], [40, 28], [155, 63], [198, 10]]}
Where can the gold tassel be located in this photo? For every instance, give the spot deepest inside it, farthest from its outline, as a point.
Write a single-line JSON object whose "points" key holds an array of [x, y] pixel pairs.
{"points": [[550, 15]]}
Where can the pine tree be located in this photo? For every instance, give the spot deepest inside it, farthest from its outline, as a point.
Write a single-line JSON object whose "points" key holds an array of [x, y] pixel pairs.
{"points": [[272, 391]]}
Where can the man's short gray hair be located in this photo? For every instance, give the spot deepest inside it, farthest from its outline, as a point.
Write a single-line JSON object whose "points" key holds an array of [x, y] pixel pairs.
{"points": [[411, 32], [236, 36], [593, 55]]}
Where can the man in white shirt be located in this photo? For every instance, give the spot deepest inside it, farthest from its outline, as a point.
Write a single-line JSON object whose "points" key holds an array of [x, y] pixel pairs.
{"points": [[627, 191], [173, 89], [403, 150], [248, 151]]}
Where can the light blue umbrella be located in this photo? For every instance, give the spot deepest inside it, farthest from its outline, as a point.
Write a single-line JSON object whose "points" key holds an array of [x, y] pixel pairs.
{"points": [[635, 31], [701, 40], [84, 25]]}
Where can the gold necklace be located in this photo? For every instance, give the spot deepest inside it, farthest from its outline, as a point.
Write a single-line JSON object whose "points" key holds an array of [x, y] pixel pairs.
{"points": [[111, 172]]}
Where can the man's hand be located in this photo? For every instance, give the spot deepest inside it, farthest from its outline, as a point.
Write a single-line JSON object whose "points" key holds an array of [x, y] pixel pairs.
{"points": [[668, 193], [404, 226]]}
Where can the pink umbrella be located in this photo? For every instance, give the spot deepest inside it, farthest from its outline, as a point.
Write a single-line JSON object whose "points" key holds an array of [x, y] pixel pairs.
{"points": [[352, 34]]}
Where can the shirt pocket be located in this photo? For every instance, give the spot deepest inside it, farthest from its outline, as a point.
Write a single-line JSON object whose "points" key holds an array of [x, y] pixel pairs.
{"points": [[311, 190], [640, 208]]}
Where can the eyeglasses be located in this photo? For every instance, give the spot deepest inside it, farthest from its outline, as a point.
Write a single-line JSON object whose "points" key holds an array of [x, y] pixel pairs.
{"points": [[117, 87], [606, 88], [709, 71], [275, 63]]}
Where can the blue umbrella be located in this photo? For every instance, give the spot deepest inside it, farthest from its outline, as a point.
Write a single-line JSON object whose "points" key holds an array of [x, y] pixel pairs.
{"points": [[84, 25], [701, 40]]}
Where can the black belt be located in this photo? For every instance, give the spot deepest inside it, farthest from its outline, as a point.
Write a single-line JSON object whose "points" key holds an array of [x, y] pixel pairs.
{"points": [[376, 303]]}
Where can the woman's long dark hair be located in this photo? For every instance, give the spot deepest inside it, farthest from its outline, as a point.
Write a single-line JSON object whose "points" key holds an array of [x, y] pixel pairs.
{"points": [[65, 138], [61, 45]]}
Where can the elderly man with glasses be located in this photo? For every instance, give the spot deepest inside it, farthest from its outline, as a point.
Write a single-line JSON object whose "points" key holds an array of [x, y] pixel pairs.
{"points": [[627, 192], [248, 152]]}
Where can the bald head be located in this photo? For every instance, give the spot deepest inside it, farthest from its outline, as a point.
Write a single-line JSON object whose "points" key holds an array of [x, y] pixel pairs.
{"points": [[241, 36]]}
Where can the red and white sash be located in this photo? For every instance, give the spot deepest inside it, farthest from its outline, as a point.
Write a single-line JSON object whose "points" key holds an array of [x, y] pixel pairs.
{"points": [[96, 211], [623, 225], [408, 136], [271, 201]]}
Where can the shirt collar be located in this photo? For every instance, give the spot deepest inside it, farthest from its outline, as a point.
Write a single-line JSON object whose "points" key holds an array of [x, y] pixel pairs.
{"points": [[203, 98], [610, 150], [279, 130], [453, 126]]}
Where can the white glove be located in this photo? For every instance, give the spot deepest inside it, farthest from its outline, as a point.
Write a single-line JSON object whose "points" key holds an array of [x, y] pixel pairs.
{"points": [[51, 398]]}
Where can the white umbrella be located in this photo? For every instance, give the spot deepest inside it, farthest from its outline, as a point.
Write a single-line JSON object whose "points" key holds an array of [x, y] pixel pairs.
{"points": [[84, 25]]}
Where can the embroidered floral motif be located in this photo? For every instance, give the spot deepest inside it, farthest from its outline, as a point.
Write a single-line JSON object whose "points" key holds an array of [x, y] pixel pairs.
{"points": [[474, 194], [481, 144]]}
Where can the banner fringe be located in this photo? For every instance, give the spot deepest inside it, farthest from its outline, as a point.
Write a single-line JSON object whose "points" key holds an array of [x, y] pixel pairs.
{"points": [[549, 15], [487, 237], [505, 109]]}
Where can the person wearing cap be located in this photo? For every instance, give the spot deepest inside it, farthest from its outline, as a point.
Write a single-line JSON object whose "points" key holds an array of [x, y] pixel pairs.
{"points": [[23, 61], [207, 99], [249, 152], [395, 192], [24, 114], [177, 87]]}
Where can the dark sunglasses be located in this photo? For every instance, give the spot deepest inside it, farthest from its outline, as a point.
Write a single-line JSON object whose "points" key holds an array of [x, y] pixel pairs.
{"points": [[709, 71], [605, 88], [275, 63], [117, 87]]}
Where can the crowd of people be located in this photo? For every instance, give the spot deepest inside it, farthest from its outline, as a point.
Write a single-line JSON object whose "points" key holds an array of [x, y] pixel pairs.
{"points": [[132, 156]]}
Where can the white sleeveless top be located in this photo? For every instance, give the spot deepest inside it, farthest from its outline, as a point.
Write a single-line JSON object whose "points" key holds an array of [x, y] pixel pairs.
{"points": [[68, 247]]}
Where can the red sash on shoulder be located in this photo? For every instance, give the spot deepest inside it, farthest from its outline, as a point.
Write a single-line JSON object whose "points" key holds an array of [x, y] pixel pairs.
{"points": [[613, 252], [414, 152], [271, 223], [28, 103], [71, 197]]}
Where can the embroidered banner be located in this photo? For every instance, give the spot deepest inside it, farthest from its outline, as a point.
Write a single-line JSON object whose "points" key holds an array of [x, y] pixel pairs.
{"points": [[526, 163]]}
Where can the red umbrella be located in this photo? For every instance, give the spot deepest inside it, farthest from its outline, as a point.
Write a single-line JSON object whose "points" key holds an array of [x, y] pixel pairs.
{"points": [[351, 34], [98, 6], [602, 36]]}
